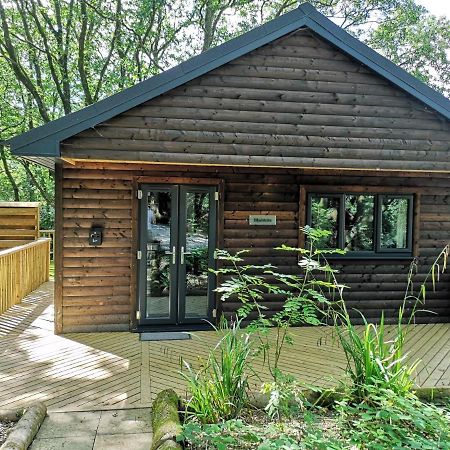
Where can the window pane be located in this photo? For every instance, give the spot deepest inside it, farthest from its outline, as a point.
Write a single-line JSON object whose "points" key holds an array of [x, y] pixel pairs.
{"points": [[394, 222], [197, 270], [324, 216], [359, 220], [159, 204]]}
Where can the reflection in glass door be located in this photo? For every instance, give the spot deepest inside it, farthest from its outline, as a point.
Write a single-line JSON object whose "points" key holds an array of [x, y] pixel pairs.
{"points": [[160, 251], [197, 228], [177, 243]]}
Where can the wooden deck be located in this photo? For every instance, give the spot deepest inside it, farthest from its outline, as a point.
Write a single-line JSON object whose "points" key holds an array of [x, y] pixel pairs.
{"points": [[101, 370]]}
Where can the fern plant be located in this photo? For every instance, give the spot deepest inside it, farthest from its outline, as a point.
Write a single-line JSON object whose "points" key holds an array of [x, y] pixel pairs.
{"points": [[303, 296]]}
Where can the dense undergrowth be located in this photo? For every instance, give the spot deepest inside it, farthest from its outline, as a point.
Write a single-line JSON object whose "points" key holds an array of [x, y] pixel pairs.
{"points": [[376, 408]]}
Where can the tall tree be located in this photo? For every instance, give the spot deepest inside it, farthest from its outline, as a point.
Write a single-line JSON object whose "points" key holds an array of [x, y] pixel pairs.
{"points": [[60, 55], [417, 42]]}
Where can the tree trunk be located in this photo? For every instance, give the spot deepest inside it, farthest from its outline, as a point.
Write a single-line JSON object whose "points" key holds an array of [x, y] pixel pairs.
{"points": [[33, 180], [8, 173]]}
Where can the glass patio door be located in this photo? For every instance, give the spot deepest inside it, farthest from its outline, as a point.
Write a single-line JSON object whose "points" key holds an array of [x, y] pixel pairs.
{"points": [[177, 243]]}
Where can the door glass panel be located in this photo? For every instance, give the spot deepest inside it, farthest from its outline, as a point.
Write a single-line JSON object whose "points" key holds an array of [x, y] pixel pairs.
{"points": [[394, 223], [196, 257], [359, 218], [158, 261], [324, 216]]}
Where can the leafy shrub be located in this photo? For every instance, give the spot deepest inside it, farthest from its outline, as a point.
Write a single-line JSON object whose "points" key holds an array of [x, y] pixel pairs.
{"points": [[393, 421], [216, 436], [237, 435], [285, 397], [219, 389]]}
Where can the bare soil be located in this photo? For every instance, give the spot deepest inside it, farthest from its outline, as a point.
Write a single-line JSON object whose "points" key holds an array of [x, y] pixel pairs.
{"points": [[5, 426]]}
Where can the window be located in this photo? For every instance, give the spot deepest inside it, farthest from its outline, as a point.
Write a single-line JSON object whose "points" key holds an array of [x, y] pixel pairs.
{"points": [[364, 224]]}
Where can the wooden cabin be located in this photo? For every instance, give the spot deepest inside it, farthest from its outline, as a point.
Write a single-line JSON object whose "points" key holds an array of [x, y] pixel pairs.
{"points": [[293, 123]]}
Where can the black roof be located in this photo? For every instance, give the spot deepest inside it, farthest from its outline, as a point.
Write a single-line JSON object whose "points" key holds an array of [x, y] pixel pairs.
{"points": [[44, 141]]}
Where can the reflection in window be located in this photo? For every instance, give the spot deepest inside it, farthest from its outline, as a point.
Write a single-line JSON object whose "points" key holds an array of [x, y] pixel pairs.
{"points": [[394, 223], [197, 270], [159, 204], [359, 221], [324, 216], [363, 223]]}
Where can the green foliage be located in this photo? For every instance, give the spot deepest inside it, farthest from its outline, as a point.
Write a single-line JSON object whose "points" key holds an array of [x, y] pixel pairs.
{"points": [[19, 181], [417, 297], [393, 421], [418, 42], [303, 296], [285, 397], [372, 360], [218, 435], [378, 411], [235, 434], [218, 391]]}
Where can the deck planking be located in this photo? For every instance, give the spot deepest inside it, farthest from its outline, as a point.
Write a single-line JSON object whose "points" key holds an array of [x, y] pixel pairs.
{"points": [[79, 371]]}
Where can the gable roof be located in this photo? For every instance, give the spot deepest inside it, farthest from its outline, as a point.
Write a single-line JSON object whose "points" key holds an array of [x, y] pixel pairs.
{"points": [[43, 142]]}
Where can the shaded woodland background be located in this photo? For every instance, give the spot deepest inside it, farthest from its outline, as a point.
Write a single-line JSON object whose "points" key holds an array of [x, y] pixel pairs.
{"points": [[57, 56]]}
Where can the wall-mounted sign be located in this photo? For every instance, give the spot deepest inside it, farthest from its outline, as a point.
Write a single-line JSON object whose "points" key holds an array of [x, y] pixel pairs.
{"points": [[262, 220]]}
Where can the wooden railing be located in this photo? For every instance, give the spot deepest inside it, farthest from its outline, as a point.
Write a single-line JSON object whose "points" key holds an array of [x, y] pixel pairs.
{"points": [[49, 234], [23, 269]]}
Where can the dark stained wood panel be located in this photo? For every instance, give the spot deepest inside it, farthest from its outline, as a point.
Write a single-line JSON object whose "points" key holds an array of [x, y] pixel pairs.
{"points": [[287, 109], [297, 102], [97, 281]]}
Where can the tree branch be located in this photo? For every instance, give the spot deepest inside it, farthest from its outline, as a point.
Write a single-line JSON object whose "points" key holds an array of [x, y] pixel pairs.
{"points": [[35, 182], [17, 68], [81, 54], [8, 174]]}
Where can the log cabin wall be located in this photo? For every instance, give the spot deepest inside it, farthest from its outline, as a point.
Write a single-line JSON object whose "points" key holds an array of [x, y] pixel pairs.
{"points": [[98, 282], [296, 103]]}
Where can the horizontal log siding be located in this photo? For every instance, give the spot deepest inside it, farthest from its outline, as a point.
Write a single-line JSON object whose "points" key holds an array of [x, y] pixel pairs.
{"points": [[297, 102], [97, 281]]}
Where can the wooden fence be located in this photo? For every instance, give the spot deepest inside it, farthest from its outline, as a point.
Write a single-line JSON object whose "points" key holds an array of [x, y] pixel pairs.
{"points": [[49, 234], [19, 223], [23, 269]]}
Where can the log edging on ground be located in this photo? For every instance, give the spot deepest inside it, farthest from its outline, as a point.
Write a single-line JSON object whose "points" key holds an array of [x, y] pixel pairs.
{"points": [[26, 428], [166, 424]]}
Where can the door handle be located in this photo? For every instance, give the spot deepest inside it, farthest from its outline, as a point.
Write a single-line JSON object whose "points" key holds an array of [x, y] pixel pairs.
{"points": [[174, 254], [183, 253]]}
